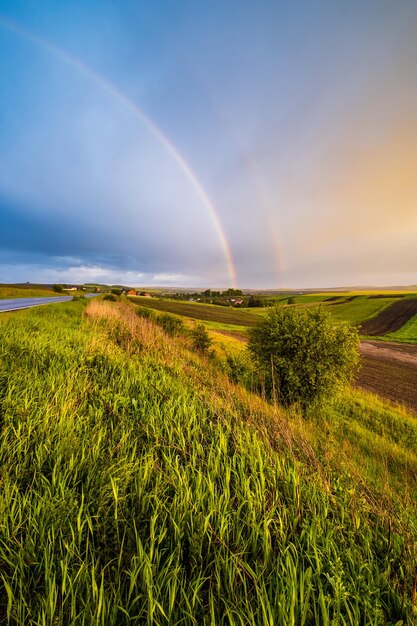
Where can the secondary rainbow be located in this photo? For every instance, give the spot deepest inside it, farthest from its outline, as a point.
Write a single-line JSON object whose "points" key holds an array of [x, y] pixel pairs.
{"points": [[109, 87], [255, 174]]}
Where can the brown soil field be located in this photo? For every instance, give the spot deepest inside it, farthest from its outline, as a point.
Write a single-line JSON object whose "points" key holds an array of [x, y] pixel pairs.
{"points": [[390, 370], [390, 319], [199, 311]]}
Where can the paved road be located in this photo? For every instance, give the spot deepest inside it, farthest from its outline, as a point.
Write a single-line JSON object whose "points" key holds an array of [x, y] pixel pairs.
{"points": [[27, 303]]}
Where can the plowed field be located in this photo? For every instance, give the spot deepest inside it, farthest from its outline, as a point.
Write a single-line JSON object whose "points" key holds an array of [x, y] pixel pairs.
{"points": [[199, 311], [390, 319], [390, 370]]}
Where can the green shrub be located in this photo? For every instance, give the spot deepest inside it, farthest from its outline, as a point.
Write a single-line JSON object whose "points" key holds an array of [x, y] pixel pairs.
{"points": [[291, 300], [254, 301], [58, 288], [201, 340], [117, 292], [302, 356], [238, 369], [145, 313], [173, 326], [111, 296]]}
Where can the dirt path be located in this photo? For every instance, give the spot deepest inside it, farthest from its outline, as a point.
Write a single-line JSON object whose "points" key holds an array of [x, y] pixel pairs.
{"points": [[390, 370], [388, 351]]}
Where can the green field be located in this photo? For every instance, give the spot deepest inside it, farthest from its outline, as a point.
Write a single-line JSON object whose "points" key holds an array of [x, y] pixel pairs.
{"points": [[360, 309], [140, 486], [311, 298]]}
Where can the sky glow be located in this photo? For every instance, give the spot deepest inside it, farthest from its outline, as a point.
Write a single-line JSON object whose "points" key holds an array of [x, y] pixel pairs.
{"points": [[264, 145]]}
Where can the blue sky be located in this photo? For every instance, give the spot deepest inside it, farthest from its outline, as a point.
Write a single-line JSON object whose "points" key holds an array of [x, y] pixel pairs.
{"points": [[191, 142]]}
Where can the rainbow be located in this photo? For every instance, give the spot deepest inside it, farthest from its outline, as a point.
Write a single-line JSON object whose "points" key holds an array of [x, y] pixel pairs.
{"points": [[253, 170], [113, 90]]}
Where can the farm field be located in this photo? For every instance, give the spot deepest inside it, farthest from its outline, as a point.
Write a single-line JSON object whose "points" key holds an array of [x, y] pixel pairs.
{"points": [[139, 485], [198, 311], [359, 309], [390, 372], [392, 318], [394, 381], [351, 308], [406, 334]]}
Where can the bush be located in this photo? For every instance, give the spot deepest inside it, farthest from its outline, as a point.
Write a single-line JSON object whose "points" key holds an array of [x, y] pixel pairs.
{"points": [[173, 326], [201, 340], [111, 297], [147, 314], [238, 369], [117, 292], [254, 301], [58, 288], [78, 298], [302, 356], [291, 300]]}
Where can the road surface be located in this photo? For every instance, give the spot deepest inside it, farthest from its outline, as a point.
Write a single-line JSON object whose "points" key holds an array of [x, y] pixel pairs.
{"points": [[27, 303]]}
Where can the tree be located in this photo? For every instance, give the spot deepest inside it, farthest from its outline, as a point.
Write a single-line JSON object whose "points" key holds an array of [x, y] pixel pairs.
{"points": [[232, 292], [303, 356], [58, 288], [254, 301]]}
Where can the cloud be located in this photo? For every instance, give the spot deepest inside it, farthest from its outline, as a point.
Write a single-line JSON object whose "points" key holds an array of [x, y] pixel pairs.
{"points": [[300, 126]]}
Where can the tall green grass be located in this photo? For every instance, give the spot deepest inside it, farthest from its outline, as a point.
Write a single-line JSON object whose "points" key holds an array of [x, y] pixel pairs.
{"points": [[139, 486]]}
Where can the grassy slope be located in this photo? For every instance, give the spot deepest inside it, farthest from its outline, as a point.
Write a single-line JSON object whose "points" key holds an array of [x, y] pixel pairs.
{"points": [[139, 486], [7, 291]]}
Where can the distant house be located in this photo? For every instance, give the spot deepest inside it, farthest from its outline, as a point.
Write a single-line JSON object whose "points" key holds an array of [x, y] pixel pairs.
{"points": [[237, 302], [132, 292], [70, 288]]}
